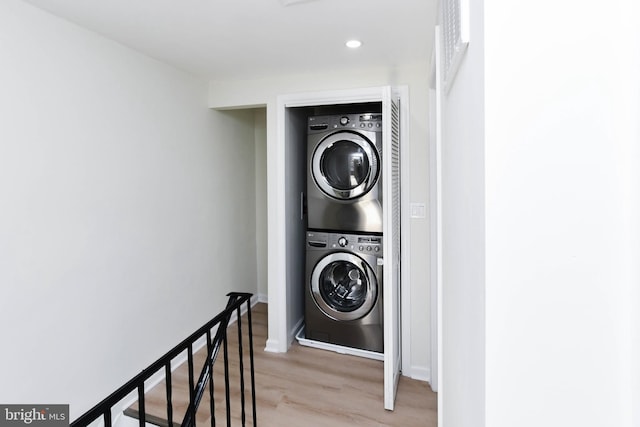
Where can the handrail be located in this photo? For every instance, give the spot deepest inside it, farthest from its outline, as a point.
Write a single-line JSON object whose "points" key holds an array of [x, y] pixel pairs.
{"points": [[221, 320]]}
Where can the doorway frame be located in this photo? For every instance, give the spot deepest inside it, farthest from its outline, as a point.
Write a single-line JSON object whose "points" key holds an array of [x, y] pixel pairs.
{"points": [[435, 201], [281, 330]]}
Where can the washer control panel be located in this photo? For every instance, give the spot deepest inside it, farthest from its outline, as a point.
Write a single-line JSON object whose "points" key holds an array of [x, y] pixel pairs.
{"points": [[361, 121], [365, 244]]}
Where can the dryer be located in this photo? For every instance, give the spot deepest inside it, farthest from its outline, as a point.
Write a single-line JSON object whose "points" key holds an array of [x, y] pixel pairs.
{"points": [[343, 296], [344, 172]]}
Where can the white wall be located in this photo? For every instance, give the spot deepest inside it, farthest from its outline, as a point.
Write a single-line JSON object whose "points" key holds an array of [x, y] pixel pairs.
{"points": [[551, 176], [261, 200], [229, 94], [561, 158], [463, 238], [119, 230]]}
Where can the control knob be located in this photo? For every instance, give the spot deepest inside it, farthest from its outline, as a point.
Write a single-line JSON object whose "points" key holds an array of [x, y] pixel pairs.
{"points": [[344, 120], [343, 241]]}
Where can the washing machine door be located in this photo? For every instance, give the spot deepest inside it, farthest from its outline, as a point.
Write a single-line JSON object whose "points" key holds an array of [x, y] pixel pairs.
{"points": [[344, 286], [345, 165]]}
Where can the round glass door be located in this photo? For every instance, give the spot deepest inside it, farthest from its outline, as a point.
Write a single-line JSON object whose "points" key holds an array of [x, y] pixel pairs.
{"points": [[343, 286], [345, 165]]}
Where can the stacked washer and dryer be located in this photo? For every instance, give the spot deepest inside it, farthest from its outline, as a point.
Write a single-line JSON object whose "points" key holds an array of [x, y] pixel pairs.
{"points": [[343, 297]]}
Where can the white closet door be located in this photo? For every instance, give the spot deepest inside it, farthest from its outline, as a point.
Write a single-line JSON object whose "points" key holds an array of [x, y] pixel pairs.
{"points": [[391, 251]]}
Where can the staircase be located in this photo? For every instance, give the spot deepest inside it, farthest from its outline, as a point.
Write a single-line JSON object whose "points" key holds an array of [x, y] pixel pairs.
{"points": [[215, 383]]}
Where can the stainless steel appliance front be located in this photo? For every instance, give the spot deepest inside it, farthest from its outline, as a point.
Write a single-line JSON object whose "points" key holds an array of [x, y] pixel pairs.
{"points": [[344, 172], [343, 296]]}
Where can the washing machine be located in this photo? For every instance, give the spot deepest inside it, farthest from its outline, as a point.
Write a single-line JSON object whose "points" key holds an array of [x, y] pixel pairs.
{"points": [[343, 298], [344, 172]]}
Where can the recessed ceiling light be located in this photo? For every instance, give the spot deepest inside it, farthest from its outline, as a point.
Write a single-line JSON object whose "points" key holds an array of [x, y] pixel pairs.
{"points": [[354, 44], [286, 3]]}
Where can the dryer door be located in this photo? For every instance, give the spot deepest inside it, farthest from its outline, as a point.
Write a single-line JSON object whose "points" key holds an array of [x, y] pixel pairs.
{"points": [[345, 165], [344, 286]]}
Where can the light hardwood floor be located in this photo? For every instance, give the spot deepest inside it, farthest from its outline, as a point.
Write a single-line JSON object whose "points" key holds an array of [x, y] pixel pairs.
{"points": [[303, 387]]}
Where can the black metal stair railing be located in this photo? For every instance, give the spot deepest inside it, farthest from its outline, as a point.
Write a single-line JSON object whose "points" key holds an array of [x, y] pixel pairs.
{"points": [[196, 389]]}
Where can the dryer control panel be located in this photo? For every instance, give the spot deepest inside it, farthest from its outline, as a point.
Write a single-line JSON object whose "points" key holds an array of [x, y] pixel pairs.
{"points": [[360, 121], [365, 244]]}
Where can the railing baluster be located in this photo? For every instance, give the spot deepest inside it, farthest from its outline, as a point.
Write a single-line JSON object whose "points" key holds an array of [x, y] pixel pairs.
{"points": [[253, 380], [107, 418], [241, 362], [141, 409], [191, 380], [226, 377], [212, 403], [167, 376]]}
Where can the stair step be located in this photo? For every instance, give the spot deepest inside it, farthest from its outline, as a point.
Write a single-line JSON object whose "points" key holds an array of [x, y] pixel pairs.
{"points": [[149, 418]]}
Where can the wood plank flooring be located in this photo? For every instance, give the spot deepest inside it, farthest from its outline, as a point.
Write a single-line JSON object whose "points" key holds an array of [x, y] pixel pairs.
{"points": [[303, 387]]}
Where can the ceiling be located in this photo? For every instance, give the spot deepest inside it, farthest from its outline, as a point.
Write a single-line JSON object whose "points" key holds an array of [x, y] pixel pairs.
{"points": [[228, 39]]}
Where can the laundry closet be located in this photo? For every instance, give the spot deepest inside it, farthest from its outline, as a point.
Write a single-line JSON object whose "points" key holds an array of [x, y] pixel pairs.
{"points": [[344, 240], [340, 183]]}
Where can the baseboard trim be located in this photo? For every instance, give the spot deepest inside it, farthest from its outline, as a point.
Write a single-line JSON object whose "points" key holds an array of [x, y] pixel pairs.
{"points": [[292, 333], [272, 346], [420, 373]]}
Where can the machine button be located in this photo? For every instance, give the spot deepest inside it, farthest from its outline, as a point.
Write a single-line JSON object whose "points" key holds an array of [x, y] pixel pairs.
{"points": [[361, 125], [369, 248], [344, 120], [377, 125], [370, 125], [343, 242], [377, 249], [361, 248]]}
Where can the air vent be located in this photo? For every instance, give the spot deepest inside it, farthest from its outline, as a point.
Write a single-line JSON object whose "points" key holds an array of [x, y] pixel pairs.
{"points": [[455, 25]]}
